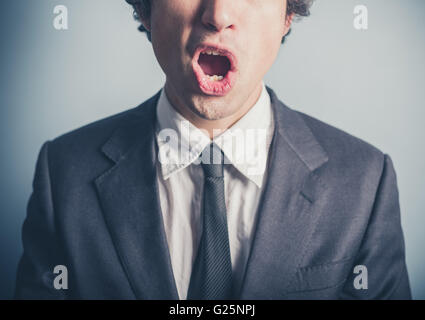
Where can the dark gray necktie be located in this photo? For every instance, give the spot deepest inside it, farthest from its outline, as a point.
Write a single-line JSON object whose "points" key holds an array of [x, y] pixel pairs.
{"points": [[211, 277]]}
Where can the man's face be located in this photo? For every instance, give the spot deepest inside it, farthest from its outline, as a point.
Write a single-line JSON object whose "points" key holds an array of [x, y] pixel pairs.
{"points": [[235, 40]]}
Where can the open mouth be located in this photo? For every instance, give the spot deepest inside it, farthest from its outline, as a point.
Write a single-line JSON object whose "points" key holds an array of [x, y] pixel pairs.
{"points": [[215, 70], [214, 65]]}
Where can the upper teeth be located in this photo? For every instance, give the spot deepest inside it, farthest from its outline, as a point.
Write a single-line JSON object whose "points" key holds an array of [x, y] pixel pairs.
{"points": [[211, 52]]}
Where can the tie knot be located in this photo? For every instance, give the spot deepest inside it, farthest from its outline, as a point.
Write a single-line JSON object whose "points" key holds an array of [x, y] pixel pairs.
{"points": [[212, 159]]}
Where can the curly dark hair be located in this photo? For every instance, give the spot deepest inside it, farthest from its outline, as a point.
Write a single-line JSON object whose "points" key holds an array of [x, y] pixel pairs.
{"points": [[301, 8]]}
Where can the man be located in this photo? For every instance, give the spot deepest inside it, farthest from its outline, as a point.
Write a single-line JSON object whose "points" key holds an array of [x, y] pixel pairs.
{"points": [[156, 203]]}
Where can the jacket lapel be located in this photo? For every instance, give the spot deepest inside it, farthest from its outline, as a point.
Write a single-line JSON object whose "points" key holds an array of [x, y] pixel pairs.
{"points": [[129, 198], [286, 220]]}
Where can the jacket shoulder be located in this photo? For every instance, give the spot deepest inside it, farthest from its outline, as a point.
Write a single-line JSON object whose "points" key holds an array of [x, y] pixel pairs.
{"points": [[80, 152], [95, 134], [348, 156], [337, 141]]}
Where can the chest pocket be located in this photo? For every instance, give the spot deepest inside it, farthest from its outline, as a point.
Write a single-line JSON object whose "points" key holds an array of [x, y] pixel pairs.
{"points": [[323, 276]]}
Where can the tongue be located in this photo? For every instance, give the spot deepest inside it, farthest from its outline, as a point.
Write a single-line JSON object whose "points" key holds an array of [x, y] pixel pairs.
{"points": [[214, 65]]}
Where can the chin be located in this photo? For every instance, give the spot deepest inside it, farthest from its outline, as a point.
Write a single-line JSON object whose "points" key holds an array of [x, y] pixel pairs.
{"points": [[210, 110]]}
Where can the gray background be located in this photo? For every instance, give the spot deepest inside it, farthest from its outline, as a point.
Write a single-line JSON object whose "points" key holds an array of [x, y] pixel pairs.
{"points": [[368, 83]]}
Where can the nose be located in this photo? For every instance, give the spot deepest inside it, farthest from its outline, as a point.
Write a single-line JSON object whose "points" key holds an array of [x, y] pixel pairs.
{"points": [[218, 15]]}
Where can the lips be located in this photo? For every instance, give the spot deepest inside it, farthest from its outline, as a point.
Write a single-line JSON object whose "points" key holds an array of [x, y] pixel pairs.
{"points": [[215, 69]]}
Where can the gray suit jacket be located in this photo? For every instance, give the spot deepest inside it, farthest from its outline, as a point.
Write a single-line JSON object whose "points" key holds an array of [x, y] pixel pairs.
{"points": [[330, 203]]}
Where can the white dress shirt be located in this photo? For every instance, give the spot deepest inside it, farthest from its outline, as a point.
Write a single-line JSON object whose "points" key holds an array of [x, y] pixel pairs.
{"points": [[180, 180]]}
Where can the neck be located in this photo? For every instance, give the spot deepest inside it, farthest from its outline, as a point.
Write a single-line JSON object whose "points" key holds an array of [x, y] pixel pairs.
{"points": [[212, 128]]}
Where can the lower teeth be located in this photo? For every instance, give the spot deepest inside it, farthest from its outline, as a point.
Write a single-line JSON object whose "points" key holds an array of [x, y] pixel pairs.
{"points": [[215, 78]]}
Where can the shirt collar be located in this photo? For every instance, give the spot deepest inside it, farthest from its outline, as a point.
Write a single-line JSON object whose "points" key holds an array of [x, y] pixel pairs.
{"points": [[245, 144]]}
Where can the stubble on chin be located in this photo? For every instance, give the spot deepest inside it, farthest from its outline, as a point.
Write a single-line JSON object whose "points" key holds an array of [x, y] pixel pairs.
{"points": [[209, 111]]}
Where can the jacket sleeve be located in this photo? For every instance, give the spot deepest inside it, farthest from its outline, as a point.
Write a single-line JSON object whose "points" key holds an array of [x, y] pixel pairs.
{"points": [[382, 251], [35, 276]]}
